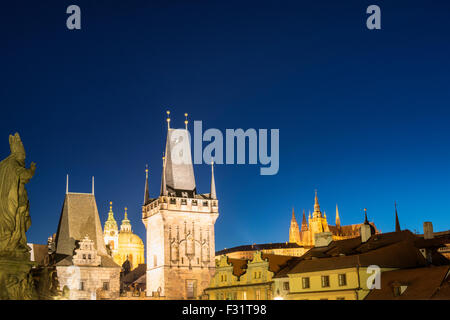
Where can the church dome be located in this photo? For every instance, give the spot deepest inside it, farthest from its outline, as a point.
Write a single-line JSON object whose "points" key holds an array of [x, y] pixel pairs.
{"points": [[127, 238]]}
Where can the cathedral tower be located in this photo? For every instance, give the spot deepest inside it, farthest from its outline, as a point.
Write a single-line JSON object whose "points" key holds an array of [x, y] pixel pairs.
{"points": [[294, 232], [180, 226]]}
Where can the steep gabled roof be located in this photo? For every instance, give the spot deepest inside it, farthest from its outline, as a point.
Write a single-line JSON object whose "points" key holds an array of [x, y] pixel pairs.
{"points": [[79, 217], [179, 170]]}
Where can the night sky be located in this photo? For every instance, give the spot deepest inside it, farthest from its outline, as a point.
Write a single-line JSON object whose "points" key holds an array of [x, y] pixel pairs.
{"points": [[363, 115]]}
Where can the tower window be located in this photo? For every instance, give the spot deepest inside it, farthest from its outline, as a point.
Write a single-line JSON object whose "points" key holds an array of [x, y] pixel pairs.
{"points": [[286, 285], [81, 286], [106, 286]]}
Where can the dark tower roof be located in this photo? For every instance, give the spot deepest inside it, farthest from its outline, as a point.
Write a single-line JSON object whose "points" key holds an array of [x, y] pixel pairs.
{"points": [[79, 217], [397, 222]]}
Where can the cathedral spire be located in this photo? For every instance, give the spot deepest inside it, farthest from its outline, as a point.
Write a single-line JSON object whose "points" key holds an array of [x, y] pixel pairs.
{"points": [[92, 184], [294, 232], [338, 220], [213, 182], [146, 192], [316, 213], [365, 216], [186, 121], [397, 222], [67, 184], [304, 223]]}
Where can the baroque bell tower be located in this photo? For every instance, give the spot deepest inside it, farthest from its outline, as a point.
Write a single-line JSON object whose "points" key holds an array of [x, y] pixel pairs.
{"points": [[180, 225]]}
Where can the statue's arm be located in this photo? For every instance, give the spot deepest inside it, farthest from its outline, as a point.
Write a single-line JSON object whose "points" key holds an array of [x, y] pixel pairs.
{"points": [[26, 174]]}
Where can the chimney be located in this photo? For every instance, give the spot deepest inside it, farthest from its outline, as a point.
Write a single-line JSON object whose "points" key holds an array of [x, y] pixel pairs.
{"points": [[322, 239], [365, 232], [428, 230]]}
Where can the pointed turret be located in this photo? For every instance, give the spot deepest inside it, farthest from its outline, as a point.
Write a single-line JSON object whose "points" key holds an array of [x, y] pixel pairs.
{"points": [[397, 222], [213, 182], [126, 224], [110, 222], [304, 222], [146, 192], [316, 213], [338, 220], [294, 232], [163, 178]]}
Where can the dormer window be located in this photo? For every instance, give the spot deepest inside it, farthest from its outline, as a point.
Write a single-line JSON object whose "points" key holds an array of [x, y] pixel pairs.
{"points": [[399, 289]]}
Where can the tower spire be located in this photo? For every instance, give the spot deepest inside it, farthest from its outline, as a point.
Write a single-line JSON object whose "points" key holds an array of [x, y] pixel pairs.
{"points": [[304, 223], [397, 222], [126, 224], [338, 220], [213, 182], [316, 213], [168, 119], [92, 184], [186, 121], [163, 178], [67, 184], [365, 216], [294, 232], [146, 192]]}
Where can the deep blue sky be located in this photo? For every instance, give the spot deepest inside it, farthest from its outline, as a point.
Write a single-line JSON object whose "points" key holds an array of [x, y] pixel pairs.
{"points": [[363, 115]]}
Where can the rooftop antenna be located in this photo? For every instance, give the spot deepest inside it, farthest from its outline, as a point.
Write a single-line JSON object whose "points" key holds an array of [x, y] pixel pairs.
{"points": [[67, 184], [92, 184], [186, 121]]}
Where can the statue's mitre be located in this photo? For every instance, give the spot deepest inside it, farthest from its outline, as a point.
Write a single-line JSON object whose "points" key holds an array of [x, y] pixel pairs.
{"points": [[15, 144]]}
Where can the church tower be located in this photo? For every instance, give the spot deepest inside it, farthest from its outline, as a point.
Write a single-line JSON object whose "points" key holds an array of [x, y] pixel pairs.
{"points": [[318, 223], [294, 232], [111, 232], [180, 226]]}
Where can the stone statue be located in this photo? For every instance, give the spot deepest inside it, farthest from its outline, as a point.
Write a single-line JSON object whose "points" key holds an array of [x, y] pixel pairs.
{"points": [[14, 206], [16, 281]]}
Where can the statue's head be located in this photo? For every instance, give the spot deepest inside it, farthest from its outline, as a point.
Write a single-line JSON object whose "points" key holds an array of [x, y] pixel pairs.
{"points": [[16, 147]]}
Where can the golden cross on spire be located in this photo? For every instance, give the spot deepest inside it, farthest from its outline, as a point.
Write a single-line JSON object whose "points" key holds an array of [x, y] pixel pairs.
{"points": [[168, 119]]}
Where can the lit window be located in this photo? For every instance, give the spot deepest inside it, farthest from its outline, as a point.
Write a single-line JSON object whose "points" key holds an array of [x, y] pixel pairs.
{"points": [[342, 280], [325, 281], [305, 283]]}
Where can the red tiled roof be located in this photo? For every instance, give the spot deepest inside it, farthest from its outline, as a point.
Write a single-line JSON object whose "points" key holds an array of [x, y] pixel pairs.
{"points": [[421, 284]]}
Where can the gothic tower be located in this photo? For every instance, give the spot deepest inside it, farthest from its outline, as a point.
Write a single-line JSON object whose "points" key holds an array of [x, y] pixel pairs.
{"points": [[294, 232], [318, 223], [180, 226], [111, 232]]}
